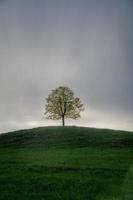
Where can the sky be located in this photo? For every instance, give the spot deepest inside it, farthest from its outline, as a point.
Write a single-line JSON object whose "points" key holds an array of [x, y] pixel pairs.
{"points": [[86, 45]]}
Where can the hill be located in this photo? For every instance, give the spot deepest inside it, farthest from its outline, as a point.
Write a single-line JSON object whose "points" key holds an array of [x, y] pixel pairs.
{"points": [[69, 163], [66, 137]]}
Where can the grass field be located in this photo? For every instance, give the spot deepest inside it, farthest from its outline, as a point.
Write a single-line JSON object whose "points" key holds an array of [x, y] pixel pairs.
{"points": [[70, 163]]}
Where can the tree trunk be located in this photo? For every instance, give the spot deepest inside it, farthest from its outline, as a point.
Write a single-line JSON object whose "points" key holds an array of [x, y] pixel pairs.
{"points": [[63, 121]]}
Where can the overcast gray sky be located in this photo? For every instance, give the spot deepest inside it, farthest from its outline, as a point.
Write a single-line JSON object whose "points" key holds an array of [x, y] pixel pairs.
{"points": [[86, 45]]}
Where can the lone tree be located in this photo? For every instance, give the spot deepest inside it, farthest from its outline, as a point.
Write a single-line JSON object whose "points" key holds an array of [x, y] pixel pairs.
{"points": [[62, 104]]}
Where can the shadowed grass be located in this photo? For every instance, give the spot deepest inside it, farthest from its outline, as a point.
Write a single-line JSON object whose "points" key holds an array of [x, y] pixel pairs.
{"points": [[67, 137]]}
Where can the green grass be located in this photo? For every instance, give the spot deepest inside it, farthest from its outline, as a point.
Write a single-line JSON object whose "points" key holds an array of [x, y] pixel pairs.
{"points": [[70, 163]]}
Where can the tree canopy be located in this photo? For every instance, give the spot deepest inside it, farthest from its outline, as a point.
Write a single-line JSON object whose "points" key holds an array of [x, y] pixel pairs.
{"points": [[62, 104]]}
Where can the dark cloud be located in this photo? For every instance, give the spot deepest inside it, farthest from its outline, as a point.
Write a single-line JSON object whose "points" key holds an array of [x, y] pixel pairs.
{"points": [[86, 45]]}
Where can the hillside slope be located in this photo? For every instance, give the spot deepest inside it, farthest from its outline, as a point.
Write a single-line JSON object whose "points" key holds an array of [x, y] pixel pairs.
{"points": [[66, 137], [74, 163]]}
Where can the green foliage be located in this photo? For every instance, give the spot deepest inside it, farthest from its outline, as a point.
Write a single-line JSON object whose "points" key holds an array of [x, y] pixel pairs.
{"points": [[62, 104]]}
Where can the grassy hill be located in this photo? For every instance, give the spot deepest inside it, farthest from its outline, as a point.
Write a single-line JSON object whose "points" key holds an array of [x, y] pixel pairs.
{"points": [[66, 137], [70, 163]]}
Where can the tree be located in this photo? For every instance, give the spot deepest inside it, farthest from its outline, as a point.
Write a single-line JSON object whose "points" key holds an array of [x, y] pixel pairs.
{"points": [[62, 104]]}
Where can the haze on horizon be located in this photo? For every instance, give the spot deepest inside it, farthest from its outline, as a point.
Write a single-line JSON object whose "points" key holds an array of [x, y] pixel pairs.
{"points": [[86, 45]]}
